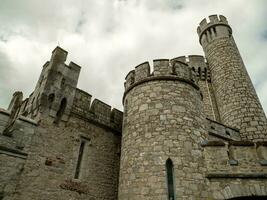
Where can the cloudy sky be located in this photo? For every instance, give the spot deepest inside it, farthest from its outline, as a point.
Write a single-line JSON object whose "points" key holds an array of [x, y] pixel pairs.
{"points": [[110, 37]]}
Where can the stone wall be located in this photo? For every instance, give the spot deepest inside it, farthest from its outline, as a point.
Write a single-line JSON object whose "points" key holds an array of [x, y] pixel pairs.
{"points": [[53, 159], [236, 168], [14, 151]]}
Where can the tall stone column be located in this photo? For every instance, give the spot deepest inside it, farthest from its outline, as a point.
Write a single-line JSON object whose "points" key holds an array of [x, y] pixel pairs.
{"points": [[237, 100]]}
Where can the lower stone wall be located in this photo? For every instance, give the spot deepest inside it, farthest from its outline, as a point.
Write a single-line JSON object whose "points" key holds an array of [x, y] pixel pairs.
{"points": [[51, 168], [13, 152], [10, 171]]}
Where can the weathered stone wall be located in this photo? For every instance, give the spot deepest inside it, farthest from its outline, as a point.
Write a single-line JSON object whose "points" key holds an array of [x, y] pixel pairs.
{"points": [[237, 100], [163, 118], [235, 169], [14, 150], [51, 166]]}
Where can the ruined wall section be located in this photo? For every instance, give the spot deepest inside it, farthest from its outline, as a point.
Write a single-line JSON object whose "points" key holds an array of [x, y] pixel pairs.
{"points": [[199, 65], [14, 150]]}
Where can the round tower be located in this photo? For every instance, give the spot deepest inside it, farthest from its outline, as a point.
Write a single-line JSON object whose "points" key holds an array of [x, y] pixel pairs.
{"points": [[162, 130], [237, 100]]}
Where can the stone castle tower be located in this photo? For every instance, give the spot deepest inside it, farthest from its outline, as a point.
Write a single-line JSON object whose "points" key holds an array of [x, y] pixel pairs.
{"points": [[192, 128]]}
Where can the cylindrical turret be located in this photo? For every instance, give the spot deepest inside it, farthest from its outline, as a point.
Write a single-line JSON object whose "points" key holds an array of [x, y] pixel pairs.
{"points": [[237, 100], [163, 126]]}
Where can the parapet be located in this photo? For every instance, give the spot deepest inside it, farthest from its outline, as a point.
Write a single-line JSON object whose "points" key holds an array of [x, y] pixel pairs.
{"points": [[217, 130], [239, 159], [164, 69], [210, 29], [97, 111], [197, 63]]}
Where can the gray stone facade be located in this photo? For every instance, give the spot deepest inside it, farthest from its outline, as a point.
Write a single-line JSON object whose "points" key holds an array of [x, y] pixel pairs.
{"points": [[192, 128]]}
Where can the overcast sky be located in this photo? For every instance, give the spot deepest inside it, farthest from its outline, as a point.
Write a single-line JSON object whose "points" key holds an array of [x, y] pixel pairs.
{"points": [[108, 38]]}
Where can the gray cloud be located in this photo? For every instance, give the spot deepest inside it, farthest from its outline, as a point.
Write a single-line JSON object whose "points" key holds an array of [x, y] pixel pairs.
{"points": [[110, 37]]}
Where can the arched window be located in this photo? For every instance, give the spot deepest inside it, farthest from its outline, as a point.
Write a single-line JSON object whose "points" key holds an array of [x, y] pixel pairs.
{"points": [[61, 110], [170, 181]]}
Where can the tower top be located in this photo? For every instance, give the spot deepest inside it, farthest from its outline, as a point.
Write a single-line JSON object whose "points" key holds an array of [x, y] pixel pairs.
{"points": [[208, 25]]}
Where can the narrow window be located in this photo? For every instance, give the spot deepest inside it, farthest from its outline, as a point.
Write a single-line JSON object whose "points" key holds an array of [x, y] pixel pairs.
{"points": [[170, 181], [51, 98], [62, 82], [214, 30], [80, 156], [205, 72], [61, 110], [126, 108], [199, 72]]}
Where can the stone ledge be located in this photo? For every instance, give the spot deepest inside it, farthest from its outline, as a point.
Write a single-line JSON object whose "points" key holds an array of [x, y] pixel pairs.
{"points": [[236, 175], [241, 143], [13, 152], [216, 143]]}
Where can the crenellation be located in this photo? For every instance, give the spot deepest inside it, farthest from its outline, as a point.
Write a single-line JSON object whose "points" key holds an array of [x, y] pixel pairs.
{"points": [[97, 111], [161, 67], [101, 110], [216, 27], [142, 71]]}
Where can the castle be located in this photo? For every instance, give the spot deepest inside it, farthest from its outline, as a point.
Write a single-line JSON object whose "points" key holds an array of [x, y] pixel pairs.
{"points": [[193, 128]]}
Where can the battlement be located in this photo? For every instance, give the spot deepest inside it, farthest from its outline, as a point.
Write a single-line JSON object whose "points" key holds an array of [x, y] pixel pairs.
{"points": [[59, 54], [228, 158], [96, 111], [163, 69], [197, 63], [213, 27], [217, 131]]}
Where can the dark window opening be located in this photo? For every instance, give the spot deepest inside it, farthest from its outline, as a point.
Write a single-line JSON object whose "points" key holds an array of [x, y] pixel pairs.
{"points": [[80, 156], [199, 72], [61, 110], [63, 82], [170, 181], [214, 30], [51, 98], [205, 72]]}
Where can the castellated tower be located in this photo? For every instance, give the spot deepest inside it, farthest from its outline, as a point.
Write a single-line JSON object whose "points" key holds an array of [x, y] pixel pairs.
{"points": [[54, 92], [237, 100], [162, 130]]}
